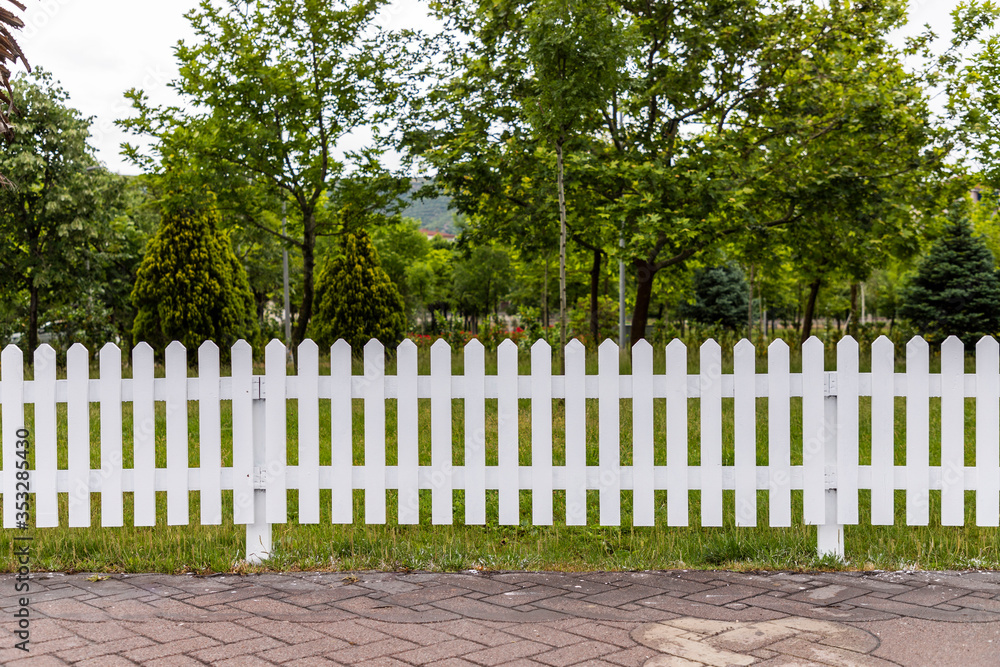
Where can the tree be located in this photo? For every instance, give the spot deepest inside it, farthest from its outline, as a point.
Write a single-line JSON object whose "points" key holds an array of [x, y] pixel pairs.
{"points": [[276, 84], [956, 289], [482, 279], [721, 297], [357, 300], [55, 225], [190, 286]]}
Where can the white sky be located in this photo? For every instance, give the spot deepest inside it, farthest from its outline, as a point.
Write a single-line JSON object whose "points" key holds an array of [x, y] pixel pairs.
{"points": [[98, 49]]}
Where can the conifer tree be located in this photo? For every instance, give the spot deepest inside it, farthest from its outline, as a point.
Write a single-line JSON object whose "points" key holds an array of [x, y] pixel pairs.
{"points": [[190, 286], [357, 299], [720, 297], [956, 290]]}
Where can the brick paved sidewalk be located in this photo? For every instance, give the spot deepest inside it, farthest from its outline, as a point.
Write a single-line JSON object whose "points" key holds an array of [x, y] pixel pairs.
{"points": [[682, 618]]}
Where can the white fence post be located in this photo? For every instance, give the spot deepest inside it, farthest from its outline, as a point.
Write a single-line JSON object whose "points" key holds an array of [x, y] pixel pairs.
{"points": [[259, 533], [830, 533]]}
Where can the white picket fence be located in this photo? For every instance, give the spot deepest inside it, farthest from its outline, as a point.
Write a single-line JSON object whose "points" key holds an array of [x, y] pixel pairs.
{"points": [[830, 475]]}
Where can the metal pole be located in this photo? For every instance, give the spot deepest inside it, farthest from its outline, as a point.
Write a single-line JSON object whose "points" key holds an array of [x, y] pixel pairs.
{"points": [[621, 293], [284, 261]]}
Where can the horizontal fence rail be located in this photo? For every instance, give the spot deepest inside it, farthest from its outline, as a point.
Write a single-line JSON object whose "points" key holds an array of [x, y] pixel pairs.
{"points": [[830, 475]]}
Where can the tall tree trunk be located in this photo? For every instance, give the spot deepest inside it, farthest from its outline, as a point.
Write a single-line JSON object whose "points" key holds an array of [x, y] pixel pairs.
{"points": [[644, 274], [545, 295], [308, 267], [595, 283], [807, 318], [852, 327], [750, 308], [32, 319], [562, 251]]}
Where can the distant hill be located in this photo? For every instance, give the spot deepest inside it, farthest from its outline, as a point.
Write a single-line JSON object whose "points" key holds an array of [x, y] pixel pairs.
{"points": [[433, 214]]}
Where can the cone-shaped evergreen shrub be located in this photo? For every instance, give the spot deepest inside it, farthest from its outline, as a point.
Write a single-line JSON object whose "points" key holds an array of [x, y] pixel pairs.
{"points": [[720, 297], [190, 286], [956, 290], [357, 301]]}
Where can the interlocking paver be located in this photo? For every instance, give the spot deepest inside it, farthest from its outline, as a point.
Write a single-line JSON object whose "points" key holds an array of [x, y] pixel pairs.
{"points": [[439, 651], [574, 653], [504, 654]]}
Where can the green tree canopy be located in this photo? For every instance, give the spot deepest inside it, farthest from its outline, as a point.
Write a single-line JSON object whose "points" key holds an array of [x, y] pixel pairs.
{"points": [[357, 301], [956, 290], [190, 286], [720, 297]]}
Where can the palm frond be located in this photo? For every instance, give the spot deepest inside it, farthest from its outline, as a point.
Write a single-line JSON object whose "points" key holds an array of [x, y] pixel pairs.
{"points": [[10, 53]]}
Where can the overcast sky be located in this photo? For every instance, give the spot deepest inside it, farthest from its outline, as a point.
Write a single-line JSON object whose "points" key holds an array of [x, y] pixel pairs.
{"points": [[98, 49]]}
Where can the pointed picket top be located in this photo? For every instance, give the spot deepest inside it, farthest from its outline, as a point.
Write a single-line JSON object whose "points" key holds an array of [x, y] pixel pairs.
{"points": [[44, 355], [642, 345], [676, 344], [575, 344], [813, 343], [710, 344], [506, 345], [608, 344], [986, 343], [308, 346], [954, 345], [239, 346], [474, 343], [777, 344], [882, 343], [406, 344], [173, 347], [340, 347], [208, 347], [848, 344], [274, 346], [375, 344], [441, 344], [744, 346], [11, 354], [916, 344], [540, 346]]}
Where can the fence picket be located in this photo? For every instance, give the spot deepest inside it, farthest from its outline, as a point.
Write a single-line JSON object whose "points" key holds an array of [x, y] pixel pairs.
{"points": [[609, 434], [643, 510], [952, 432], [177, 435], [847, 431], [576, 434], [46, 458], [276, 431], [12, 412], [111, 435], [541, 433], [441, 448], [813, 433], [507, 433], [308, 424], [242, 373], [987, 430], [341, 433], [779, 391], [745, 432], [78, 434], [407, 428], [374, 402], [917, 437], [475, 433], [711, 433], [209, 434], [883, 433], [677, 434]]}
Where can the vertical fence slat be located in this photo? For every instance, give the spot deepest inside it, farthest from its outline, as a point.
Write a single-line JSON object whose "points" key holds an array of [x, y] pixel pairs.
{"points": [[779, 435], [12, 411], [308, 419], [242, 373], [883, 432], [987, 429], [609, 434], [407, 428], [711, 433], [917, 436], [847, 431], [541, 433], [952, 432], [677, 434], [78, 434], [441, 449], [342, 433], [475, 433], [46, 459], [374, 401], [813, 433], [276, 431], [111, 435], [507, 432], [745, 432], [576, 434], [209, 434], [177, 435], [643, 513]]}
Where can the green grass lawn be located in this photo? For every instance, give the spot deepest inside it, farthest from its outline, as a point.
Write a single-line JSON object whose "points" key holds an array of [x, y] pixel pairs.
{"points": [[324, 546]]}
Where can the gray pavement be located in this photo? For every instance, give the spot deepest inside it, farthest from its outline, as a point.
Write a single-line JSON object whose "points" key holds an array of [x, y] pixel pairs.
{"points": [[523, 619]]}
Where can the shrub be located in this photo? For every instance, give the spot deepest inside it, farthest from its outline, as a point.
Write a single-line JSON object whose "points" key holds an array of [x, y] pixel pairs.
{"points": [[720, 297], [357, 301]]}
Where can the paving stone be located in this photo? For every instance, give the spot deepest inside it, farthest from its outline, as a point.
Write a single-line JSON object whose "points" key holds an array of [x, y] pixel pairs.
{"points": [[247, 647], [522, 596], [93, 650], [439, 651], [301, 650], [829, 594], [724, 595], [105, 661], [370, 651], [477, 631], [574, 653], [930, 595], [504, 654], [425, 595]]}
